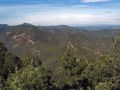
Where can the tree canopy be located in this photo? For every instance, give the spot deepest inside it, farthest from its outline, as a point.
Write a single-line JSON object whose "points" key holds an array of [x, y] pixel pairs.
{"points": [[72, 73]]}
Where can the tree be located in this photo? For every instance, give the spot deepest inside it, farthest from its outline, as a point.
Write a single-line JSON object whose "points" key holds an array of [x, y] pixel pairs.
{"points": [[30, 78], [115, 58], [67, 75], [35, 61], [3, 51], [98, 71], [11, 64]]}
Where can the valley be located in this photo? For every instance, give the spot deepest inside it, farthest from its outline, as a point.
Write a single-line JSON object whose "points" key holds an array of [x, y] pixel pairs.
{"points": [[49, 42]]}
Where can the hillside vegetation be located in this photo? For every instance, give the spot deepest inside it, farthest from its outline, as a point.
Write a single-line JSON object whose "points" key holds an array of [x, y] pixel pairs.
{"points": [[72, 73], [58, 58], [49, 42]]}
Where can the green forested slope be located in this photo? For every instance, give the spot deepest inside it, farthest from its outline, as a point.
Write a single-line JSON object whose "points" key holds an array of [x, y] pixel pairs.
{"points": [[49, 42], [72, 73]]}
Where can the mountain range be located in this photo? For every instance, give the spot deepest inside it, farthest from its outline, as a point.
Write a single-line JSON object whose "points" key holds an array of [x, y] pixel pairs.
{"points": [[50, 42]]}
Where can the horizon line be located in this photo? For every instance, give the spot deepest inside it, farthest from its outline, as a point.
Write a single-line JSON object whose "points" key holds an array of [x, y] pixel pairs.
{"points": [[57, 24]]}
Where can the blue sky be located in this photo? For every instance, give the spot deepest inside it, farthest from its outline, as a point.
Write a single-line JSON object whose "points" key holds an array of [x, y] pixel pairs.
{"points": [[56, 12]]}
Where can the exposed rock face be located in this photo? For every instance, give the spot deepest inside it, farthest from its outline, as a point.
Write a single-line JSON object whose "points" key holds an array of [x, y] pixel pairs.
{"points": [[51, 41]]}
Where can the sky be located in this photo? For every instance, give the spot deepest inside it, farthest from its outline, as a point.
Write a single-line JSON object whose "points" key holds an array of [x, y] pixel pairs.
{"points": [[60, 12]]}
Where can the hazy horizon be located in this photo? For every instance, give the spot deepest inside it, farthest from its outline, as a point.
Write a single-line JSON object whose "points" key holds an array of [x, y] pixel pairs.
{"points": [[60, 12], [76, 25]]}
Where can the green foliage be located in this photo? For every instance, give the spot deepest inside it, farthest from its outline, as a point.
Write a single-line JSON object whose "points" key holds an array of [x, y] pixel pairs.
{"points": [[30, 78], [97, 72], [1, 83], [72, 73], [67, 75], [3, 51], [12, 62], [9, 63], [102, 86], [117, 43], [35, 61]]}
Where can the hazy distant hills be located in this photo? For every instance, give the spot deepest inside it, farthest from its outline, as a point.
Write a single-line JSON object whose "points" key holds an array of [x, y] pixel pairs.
{"points": [[49, 42], [98, 27]]}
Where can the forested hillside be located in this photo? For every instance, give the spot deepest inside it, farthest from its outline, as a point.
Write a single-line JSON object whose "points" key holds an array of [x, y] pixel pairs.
{"points": [[49, 42], [59, 44], [72, 73]]}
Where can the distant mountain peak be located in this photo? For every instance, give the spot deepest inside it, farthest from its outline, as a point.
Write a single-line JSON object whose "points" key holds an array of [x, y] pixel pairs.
{"points": [[4, 25], [26, 25]]}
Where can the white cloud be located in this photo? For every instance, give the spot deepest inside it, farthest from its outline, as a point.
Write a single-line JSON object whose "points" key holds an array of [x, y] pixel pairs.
{"points": [[92, 1], [66, 19], [50, 15]]}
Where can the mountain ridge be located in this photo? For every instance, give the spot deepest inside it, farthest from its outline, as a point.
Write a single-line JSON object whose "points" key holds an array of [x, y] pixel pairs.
{"points": [[49, 42]]}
